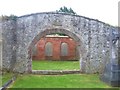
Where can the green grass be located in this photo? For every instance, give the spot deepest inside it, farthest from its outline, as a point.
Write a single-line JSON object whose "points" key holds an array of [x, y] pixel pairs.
{"points": [[55, 65], [59, 81], [6, 77]]}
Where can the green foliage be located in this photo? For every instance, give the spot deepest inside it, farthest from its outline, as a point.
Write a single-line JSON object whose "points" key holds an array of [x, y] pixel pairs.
{"points": [[0, 17], [60, 34], [11, 17], [66, 10]]}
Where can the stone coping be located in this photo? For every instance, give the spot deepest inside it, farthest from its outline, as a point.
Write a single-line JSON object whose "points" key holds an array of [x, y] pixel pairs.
{"points": [[55, 72], [27, 15]]}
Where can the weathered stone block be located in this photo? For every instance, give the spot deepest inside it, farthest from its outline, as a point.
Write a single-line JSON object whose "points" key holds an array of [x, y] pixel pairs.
{"points": [[111, 75]]}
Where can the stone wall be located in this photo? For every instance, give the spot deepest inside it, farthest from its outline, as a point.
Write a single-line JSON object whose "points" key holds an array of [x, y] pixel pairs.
{"points": [[20, 36], [0, 45], [8, 44], [56, 54]]}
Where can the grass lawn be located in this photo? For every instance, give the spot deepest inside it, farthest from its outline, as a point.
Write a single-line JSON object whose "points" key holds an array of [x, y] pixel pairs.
{"points": [[6, 77], [55, 65], [56, 81], [59, 81]]}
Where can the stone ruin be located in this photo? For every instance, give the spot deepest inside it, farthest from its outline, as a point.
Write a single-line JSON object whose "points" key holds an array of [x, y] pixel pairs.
{"points": [[20, 34], [111, 73]]}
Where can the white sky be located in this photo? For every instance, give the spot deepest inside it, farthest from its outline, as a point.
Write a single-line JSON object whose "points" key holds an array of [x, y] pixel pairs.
{"points": [[103, 10]]}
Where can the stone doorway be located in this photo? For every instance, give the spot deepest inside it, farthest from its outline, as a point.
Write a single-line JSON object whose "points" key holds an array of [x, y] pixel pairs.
{"points": [[80, 48]]}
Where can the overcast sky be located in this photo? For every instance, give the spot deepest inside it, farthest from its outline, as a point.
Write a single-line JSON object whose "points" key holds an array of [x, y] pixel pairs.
{"points": [[103, 10]]}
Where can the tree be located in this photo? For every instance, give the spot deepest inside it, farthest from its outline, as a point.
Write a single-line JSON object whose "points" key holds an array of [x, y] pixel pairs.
{"points": [[66, 10]]}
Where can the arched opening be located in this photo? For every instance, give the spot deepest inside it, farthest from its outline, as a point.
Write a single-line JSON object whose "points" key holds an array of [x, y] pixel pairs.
{"points": [[48, 49], [34, 50], [64, 49], [80, 48]]}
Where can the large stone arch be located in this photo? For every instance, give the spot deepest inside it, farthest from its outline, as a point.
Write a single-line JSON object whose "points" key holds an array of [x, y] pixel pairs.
{"points": [[21, 33], [80, 45]]}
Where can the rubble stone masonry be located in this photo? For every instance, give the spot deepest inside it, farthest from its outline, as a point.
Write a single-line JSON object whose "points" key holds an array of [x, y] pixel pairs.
{"points": [[20, 34]]}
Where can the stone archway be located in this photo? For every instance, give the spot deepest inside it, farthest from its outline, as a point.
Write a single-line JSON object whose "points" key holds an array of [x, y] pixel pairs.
{"points": [[80, 45], [21, 33]]}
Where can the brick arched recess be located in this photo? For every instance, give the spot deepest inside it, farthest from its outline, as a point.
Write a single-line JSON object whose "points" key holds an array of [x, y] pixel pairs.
{"points": [[63, 48], [79, 42], [20, 35]]}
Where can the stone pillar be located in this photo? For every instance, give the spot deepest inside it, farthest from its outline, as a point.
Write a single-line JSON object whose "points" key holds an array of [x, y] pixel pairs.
{"points": [[0, 62], [0, 45], [9, 42], [111, 74], [119, 46], [0, 53]]}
